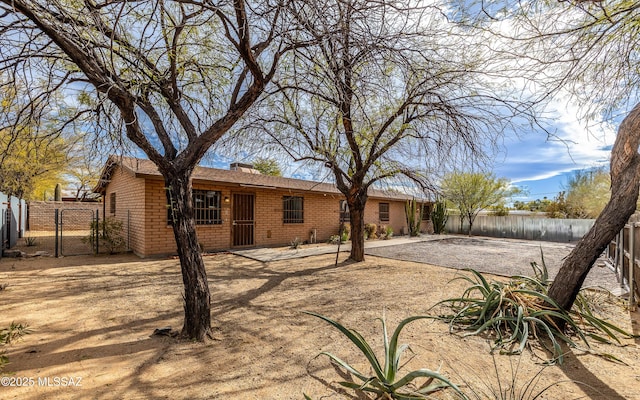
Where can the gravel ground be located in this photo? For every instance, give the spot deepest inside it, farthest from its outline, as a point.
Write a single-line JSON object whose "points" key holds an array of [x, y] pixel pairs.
{"points": [[506, 257]]}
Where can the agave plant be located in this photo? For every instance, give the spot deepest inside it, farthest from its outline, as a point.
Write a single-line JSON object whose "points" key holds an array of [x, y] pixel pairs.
{"points": [[520, 310], [509, 385], [384, 382]]}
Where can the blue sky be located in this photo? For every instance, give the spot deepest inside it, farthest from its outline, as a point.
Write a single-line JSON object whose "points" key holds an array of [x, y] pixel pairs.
{"points": [[539, 164], [543, 165]]}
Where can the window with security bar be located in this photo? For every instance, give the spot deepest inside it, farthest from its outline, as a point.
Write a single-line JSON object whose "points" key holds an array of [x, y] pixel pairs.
{"points": [[112, 203], [207, 209], [383, 208], [426, 212], [293, 209]]}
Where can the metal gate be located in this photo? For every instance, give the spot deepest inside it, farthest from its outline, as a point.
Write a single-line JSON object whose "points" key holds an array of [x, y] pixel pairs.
{"points": [[5, 228], [74, 230], [243, 219]]}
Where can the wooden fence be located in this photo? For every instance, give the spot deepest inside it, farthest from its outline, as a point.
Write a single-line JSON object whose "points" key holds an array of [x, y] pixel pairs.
{"points": [[623, 254]]}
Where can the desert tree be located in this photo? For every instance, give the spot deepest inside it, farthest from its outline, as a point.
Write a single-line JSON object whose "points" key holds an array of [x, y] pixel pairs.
{"points": [[83, 175], [33, 155], [587, 51], [472, 192], [592, 46], [587, 192], [171, 77], [267, 166], [386, 94], [31, 165]]}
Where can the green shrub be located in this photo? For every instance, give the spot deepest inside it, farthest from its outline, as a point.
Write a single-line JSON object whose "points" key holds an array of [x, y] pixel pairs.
{"points": [[389, 232], [371, 231], [385, 232], [345, 228], [30, 241], [499, 211], [519, 312], [109, 232], [384, 383]]}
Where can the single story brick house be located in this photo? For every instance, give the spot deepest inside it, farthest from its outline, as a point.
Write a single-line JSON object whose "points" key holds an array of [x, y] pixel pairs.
{"points": [[234, 208]]}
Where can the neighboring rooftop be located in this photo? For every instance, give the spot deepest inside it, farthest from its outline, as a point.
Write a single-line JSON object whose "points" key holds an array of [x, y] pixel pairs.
{"points": [[143, 168]]}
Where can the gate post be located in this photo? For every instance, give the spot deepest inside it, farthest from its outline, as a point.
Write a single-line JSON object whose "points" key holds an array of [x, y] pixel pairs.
{"points": [[97, 224], [55, 222]]}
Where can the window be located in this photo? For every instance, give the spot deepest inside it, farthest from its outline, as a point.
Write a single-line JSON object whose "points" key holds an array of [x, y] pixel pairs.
{"points": [[292, 210], [344, 211], [426, 212], [112, 203], [206, 207], [383, 208]]}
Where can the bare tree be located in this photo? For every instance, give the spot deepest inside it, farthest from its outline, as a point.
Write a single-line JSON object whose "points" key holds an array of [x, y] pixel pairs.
{"points": [[171, 77], [589, 50], [388, 90], [625, 184]]}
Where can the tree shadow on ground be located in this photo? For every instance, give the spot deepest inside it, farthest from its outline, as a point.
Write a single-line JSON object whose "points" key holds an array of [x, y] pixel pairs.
{"points": [[333, 386], [272, 279], [51, 353], [577, 372], [50, 262]]}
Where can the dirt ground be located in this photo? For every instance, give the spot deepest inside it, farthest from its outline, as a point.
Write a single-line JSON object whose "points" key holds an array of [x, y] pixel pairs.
{"points": [[92, 320]]}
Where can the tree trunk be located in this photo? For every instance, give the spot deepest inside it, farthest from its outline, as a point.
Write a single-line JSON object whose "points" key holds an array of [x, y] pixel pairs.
{"points": [[197, 299], [625, 163], [357, 202]]}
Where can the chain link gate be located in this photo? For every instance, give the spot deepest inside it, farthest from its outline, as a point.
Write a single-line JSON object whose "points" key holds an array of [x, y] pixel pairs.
{"points": [[74, 231]]}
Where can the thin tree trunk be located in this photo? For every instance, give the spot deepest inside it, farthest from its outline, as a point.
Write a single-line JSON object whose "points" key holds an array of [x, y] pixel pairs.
{"points": [[625, 170], [356, 218], [197, 299]]}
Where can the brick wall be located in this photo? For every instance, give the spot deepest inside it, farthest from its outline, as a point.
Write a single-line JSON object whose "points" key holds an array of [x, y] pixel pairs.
{"points": [[397, 219], [76, 216], [129, 193], [321, 213], [143, 202]]}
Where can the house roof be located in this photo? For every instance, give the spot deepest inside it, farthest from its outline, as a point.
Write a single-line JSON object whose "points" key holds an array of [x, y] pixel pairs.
{"points": [[143, 168]]}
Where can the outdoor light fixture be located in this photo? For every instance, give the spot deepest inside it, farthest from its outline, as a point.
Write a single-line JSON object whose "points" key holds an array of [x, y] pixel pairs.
{"points": [[226, 199]]}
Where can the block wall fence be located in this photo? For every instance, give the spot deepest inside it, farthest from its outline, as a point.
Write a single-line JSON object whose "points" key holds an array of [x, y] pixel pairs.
{"points": [[41, 214]]}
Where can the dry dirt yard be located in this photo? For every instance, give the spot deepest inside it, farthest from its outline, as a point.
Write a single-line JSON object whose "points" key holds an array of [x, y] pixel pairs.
{"points": [[92, 320]]}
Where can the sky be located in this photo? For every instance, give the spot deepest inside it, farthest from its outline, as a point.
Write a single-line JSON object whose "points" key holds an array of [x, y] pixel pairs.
{"points": [[539, 164], [542, 166]]}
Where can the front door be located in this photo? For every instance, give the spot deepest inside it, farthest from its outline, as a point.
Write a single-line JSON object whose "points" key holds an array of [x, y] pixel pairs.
{"points": [[243, 220]]}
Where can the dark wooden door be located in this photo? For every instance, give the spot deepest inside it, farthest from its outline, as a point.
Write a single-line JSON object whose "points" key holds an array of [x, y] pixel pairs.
{"points": [[243, 219]]}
